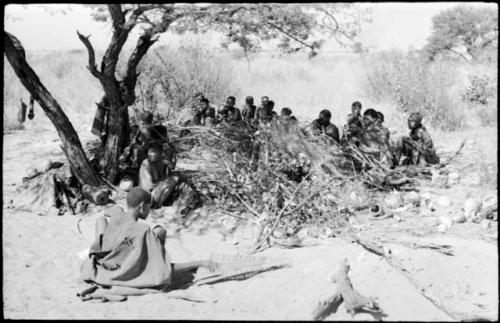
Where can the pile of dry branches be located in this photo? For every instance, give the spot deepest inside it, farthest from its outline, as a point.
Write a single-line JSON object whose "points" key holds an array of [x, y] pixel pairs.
{"points": [[282, 178]]}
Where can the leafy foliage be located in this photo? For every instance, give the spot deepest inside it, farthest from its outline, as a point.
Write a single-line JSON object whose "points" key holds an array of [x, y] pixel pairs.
{"points": [[170, 78], [415, 85], [481, 90], [464, 27]]}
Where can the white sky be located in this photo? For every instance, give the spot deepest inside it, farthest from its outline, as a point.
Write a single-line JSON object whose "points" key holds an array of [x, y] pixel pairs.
{"points": [[394, 25]]}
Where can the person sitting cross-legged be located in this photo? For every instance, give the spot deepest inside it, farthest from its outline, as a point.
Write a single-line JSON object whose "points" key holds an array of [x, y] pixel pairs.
{"points": [[155, 175], [128, 256]]}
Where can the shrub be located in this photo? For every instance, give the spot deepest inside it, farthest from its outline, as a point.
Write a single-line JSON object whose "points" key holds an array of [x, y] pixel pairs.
{"points": [[481, 90], [415, 85], [170, 79]]}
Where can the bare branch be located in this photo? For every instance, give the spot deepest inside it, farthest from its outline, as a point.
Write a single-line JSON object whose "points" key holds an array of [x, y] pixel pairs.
{"points": [[92, 65], [289, 35]]}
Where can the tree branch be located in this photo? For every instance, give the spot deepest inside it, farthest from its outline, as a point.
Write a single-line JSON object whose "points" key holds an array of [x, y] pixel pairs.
{"points": [[71, 143], [144, 42], [92, 65], [290, 35]]}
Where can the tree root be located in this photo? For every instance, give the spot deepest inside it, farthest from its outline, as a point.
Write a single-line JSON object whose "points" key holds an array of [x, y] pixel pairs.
{"points": [[354, 302]]}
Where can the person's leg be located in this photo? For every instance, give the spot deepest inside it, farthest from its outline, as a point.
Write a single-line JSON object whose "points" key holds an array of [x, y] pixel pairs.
{"points": [[101, 224], [165, 189], [180, 268]]}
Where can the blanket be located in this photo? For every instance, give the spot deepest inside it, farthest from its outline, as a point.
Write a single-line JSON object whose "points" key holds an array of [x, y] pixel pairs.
{"points": [[128, 255]]}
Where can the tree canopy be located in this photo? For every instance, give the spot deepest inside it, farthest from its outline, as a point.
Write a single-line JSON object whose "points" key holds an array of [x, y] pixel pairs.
{"points": [[467, 32]]}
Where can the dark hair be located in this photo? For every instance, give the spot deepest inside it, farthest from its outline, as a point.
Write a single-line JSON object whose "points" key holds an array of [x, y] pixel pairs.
{"points": [[147, 117], [204, 100], [271, 103], [356, 104], [154, 145], [136, 196], [264, 97], [326, 113], [372, 113], [232, 98], [380, 116], [249, 99], [286, 111]]}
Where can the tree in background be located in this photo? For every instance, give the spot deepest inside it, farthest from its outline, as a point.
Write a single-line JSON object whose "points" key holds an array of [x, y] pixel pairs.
{"points": [[244, 24], [468, 32]]}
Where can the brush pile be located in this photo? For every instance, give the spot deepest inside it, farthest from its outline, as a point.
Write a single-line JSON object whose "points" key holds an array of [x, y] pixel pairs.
{"points": [[283, 179]]}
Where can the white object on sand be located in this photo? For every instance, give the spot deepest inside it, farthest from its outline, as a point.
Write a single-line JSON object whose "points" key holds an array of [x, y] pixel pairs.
{"points": [[412, 198], [471, 207], [444, 201], [447, 221], [459, 218]]}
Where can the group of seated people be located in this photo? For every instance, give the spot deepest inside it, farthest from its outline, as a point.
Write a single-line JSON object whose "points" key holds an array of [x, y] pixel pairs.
{"points": [[150, 160], [366, 131]]}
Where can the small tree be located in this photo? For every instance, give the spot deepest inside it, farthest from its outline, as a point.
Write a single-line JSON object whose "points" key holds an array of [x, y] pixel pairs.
{"points": [[244, 24], [465, 31]]}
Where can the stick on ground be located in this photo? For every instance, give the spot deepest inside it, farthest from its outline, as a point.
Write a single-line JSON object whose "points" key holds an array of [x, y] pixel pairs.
{"points": [[354, 302]]}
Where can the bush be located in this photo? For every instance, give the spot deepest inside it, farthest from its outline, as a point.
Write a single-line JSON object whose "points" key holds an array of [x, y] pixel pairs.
{"points": [[170, 79], [415, 85], [481, 90]]}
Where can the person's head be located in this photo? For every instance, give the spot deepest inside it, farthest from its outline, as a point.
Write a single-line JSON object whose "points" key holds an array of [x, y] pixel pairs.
{"points": [[380, 117], [270, 105], [265, 101], [204, 103], [415, 120], [154, 151], [356, 107], [249, 100], [139, 201], [370, 116], [286, 112], [324, 117], [145, 133], [231, 101], [147, 117]]}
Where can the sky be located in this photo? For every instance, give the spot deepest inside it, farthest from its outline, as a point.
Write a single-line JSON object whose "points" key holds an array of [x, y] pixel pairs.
{"points": [[394, 25]]}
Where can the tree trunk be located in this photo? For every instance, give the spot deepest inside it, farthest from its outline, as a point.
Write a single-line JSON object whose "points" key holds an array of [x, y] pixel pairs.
{"points": [[116, 140], [70, 142]]}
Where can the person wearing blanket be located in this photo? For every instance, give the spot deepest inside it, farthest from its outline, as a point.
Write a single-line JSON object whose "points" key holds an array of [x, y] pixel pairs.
{"points": [[128, 257]]}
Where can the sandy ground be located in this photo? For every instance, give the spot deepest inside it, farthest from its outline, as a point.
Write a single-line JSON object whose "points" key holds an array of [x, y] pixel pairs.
{"points": [[41, 265]]}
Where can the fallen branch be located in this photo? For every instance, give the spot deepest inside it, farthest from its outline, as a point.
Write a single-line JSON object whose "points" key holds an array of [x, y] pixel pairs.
{"points": [[354, 302], [380, 250]]}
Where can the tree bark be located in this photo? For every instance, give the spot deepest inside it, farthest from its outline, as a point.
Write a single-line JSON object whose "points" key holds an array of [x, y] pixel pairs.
{"points": [[121, 94], [71, 144]]}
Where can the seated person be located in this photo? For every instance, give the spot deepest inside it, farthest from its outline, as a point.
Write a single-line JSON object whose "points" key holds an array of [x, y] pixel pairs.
{"points": [[286, 114], [373, 140], [380, 121], [417, 148], [323, 126], [134, 154], [127, 256], [203, 112], [229, 112], [248, 112], [264, 114], [155, 174], [354, 124]]}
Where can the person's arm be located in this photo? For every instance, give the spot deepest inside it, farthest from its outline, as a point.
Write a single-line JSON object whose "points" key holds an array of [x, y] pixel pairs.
{"points": [[170, 157], [425, 141], [145, 178], [237, 115]]}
